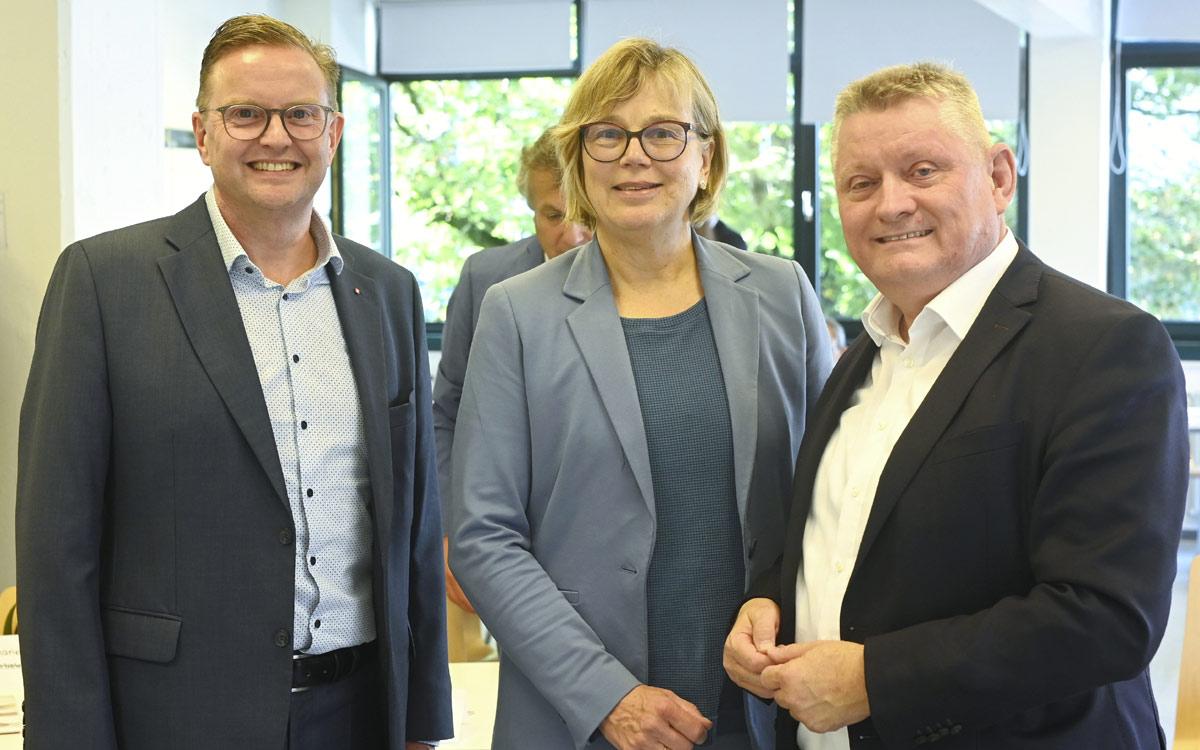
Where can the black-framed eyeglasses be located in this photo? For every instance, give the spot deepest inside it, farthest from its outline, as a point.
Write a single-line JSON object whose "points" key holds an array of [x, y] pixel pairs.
{"points": [[246, 122], [661, 141]]}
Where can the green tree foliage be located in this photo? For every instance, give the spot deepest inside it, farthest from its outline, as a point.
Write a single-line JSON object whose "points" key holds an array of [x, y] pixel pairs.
{"points": [[757, 200], [455, 153], [456, 149], [1164, 191]]}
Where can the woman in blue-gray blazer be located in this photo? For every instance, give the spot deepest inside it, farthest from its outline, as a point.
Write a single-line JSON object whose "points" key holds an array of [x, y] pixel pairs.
{"points": [[630, 417]]}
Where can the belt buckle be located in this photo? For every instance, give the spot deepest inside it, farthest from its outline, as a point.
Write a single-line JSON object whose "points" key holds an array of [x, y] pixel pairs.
{"points": [[298, 657]]}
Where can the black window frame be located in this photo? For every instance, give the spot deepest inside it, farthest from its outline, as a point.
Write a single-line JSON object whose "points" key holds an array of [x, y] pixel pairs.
{"points": [[1125, 56]]}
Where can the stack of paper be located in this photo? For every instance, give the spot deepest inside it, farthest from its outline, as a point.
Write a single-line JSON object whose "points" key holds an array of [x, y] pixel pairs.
{"points": [[11, 690], [10, 714]]}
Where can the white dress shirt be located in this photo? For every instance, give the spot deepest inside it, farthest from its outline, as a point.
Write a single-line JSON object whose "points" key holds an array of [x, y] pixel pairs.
{"points": [[877, 414]]}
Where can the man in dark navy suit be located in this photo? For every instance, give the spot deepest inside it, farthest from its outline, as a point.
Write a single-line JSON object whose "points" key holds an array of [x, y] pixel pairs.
{"points": [[989, 493]]}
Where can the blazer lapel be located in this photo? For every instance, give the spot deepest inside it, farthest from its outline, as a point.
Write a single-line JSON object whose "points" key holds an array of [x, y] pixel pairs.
{"points": [[999, 321], [361, 318], [733, 312], [198, 282], [597, 330]]}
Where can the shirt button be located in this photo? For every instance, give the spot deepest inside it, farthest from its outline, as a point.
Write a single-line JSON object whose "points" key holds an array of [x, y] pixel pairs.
{"points": [[854, 492], [281, 638], [285, 537], [249, 269], [838, 567], [908, 362], [285, 296], [316, 623], [309, 492], [295, 357], [312, 561], [881, 426], [303, 425]]}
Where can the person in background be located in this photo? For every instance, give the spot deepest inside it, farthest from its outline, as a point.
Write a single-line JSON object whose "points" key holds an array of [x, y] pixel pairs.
{"points": [[837, 336], [228, 531], [624, 447], [715, 229], [989, 495], [540, 181]]}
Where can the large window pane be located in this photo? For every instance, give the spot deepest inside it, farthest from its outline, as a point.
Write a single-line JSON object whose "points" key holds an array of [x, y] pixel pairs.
{"points": [[757, 201], [456, 148], [1163, 262]]}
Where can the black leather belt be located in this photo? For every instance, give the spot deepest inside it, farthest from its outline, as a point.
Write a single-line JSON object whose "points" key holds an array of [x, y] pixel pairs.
{"points": [[324, 669]]}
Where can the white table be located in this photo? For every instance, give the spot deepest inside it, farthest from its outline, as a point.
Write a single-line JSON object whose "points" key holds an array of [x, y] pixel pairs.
{"points": [[474, 698]]}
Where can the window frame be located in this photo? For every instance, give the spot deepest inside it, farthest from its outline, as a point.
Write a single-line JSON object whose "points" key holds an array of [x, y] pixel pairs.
{"points": [[337, 211], [1125, 56]]}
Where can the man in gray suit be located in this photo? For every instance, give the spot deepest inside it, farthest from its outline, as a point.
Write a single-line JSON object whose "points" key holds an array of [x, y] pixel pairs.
{"points": [[227, 522], [540, 182]]}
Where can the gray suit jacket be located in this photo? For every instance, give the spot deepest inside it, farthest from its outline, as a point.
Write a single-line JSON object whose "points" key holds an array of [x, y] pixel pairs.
{"points": [[154, 539], [554, 520], [479, 272]]}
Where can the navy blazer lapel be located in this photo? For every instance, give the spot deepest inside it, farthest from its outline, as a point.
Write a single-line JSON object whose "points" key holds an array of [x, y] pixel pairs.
{"points": [[733, 312], [199, 285], [361, 318], [999, 321], [597, 329]]}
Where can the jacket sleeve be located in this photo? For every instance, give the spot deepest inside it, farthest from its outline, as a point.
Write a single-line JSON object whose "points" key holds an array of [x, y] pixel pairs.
{"points": [[447, 390], [429, 707], [62, 470], [491, 550], [1103, 526]]}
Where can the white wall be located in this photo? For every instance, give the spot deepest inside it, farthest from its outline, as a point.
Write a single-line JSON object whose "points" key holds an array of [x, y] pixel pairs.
{"points": [[35, 154], [1068, 136], [116, 114]]}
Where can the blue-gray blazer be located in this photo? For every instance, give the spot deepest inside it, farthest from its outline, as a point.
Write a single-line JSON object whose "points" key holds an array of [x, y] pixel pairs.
{"points": [[553, 524], [479, 272]]}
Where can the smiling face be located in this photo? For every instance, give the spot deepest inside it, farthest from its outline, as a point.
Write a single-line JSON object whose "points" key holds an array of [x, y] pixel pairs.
{"points": [[635, 194], [273, 173], [920, 206]]}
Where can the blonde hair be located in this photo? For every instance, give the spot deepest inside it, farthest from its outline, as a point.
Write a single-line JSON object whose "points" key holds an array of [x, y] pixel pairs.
{"points": [[538, 156], [249, 30], [616, 76], [960, 108]]}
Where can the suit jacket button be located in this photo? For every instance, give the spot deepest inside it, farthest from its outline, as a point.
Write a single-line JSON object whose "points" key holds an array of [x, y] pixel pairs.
{"points": [[281, 638], [285, 537]]}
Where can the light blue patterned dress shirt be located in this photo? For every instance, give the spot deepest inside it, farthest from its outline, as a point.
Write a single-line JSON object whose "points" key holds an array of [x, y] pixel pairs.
{"points": [[316, 416]]}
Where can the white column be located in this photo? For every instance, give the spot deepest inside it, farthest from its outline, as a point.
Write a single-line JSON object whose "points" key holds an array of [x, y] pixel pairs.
{"points": [[33, 223], [1069, 141]]}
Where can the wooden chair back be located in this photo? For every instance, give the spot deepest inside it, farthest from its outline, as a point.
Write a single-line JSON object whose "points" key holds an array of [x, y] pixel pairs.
{"points": [[1187, 711]]}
